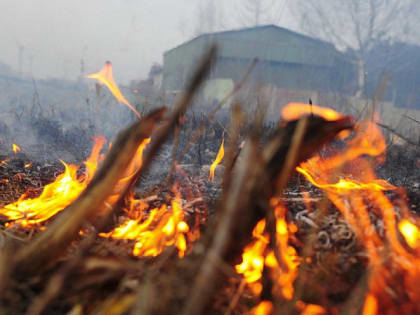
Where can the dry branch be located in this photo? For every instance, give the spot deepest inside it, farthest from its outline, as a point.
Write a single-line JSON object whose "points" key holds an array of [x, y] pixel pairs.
{"points": [[173, 120], [50, 243], [246, 202]]}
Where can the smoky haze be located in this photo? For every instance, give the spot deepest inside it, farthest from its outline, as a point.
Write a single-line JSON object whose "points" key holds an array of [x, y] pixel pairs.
{"points": [[58, 39], [45, 38]]}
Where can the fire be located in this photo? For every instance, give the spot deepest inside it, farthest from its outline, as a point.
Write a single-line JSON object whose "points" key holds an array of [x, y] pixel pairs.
{"points": [[256, 256], [217, 161], [28, 165], [348, 179], [264, 308], [310, 309], [411, 233], [293, 111], [55, 196], [164, 226], [15, 148], [371, 305], [106, 78]]}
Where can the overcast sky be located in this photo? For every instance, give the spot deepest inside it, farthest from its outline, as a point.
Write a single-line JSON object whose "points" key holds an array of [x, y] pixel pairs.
{"points": [[57, 34]]}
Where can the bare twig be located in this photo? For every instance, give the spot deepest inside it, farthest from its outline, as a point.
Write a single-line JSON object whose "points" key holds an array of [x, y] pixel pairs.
{"points": [[398, 134]]}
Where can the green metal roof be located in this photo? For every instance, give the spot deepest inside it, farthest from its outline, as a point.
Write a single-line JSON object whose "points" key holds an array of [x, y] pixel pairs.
{"points": [[267, 43]]}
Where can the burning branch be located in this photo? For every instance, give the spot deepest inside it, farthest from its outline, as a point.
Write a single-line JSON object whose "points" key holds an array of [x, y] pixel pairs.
{"points": [[50, 243], [247, 199]]}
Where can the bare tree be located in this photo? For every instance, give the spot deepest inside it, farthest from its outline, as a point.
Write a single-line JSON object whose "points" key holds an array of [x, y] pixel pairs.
{"points": [[356, 24], [257, 12], [209, 17]]}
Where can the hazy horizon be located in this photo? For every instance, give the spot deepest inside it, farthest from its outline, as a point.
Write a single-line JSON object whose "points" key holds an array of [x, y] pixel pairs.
{"points": [[49, 39]]}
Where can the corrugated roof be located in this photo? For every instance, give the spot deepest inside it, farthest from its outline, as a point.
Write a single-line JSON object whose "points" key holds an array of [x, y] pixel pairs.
{"points": [[269, 42]]}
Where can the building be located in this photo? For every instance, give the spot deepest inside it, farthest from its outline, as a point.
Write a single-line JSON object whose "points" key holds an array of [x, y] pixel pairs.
{"points": [[290, 64]]}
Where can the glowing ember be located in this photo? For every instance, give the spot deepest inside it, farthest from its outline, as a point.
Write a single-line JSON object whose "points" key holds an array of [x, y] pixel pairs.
{"points": [[106, 78], [162, 228], [411, 233], [217, 161], [15, 148], [55, 196]]}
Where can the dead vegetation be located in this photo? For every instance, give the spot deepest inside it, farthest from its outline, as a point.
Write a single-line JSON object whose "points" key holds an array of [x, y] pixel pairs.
{"points": [[314, 258]]}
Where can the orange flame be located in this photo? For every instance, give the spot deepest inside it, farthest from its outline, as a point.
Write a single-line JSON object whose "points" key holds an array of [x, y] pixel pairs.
{"points": [[411, 233], [371, 305], [293, 111], [15, 148], [28, 165], [310, 309], [55, 196], [256, 256], [263, 308], [106, 78], [217, 161], [162, 228], [335, 175]]}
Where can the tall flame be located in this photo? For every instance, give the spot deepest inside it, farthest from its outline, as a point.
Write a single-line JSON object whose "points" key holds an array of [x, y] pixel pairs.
{"points": [[217, 160], [356, 199], [106, 78], [256, 257]]}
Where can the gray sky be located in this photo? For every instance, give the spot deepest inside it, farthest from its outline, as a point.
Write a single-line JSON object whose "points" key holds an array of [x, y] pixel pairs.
{"points": [[57, 34]]}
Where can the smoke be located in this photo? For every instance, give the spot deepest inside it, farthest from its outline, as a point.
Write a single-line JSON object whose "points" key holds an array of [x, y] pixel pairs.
{"points": [[50, 38]]}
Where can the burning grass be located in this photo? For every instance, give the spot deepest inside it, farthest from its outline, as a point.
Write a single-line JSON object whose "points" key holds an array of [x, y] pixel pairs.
{"points": [[329, 238]]}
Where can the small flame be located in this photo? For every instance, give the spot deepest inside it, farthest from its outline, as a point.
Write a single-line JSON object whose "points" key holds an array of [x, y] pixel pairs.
{"points": [[162, 228], [28, 165], [106, 78], [55, 196], [263, 308], [217, 161], [310, 309], [293, 111], [371, 305], [255, 256], [411, 233], [15, 148]]}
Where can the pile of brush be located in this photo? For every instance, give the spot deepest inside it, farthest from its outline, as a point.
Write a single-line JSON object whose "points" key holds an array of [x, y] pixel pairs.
{"points": [[63, 270]]}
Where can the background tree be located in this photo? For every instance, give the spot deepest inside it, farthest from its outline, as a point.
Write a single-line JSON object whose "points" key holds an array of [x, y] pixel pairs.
{"points": [[209, 17], [258, 12], [356, 25]]}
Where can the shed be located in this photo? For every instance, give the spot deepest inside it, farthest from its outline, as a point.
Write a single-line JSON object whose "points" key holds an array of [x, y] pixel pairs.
{"points": [[286, 59]]}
